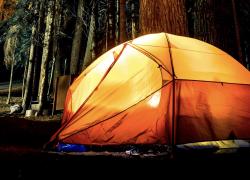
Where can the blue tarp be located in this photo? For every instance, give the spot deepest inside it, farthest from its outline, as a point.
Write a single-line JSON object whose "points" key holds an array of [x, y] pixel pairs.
{"points": [[62, 147]]}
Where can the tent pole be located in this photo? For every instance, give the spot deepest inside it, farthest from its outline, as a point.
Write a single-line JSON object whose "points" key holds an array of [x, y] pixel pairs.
{"points": [[173, 139], [173, 115]]}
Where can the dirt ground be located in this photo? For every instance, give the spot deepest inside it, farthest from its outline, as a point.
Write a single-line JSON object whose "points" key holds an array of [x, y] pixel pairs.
{"points": [[22, 155], [5, 108]]}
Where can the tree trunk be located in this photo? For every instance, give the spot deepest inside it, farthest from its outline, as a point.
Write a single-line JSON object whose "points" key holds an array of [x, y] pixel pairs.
{"points": [[243, 9], [25, 77], [111, 25], [11, 78], [106, 34], [30, 64], [163, 16], [45, 56], [204, 21], [237, 33], [123, 35], [38, 51], [133, 23], [76, 45], [56, 45], [28, 83], [50, 78], [117, 22], [12, 69], [89, 53]]}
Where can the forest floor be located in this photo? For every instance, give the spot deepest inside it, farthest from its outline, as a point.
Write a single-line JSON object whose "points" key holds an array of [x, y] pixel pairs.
{"points": [[22, 140]]}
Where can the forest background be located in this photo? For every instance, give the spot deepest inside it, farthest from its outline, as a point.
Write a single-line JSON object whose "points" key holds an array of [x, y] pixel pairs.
{"points": [[41, 40]]}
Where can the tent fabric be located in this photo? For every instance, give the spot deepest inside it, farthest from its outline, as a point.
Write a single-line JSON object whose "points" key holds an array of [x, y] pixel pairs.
{"points": [[158, 88], [209, 111], [148, 121]]}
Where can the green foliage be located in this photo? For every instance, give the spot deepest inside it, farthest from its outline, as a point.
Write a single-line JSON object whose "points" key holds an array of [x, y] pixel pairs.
{"points": [[22, 48], [3, 30], [22, 18]]}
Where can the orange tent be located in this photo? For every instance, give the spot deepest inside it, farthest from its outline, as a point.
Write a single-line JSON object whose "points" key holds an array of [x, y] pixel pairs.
{"points": [[158, 89]]}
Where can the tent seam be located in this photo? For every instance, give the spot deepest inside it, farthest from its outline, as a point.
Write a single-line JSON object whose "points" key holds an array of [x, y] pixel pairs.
{"points": [[212, 81]]}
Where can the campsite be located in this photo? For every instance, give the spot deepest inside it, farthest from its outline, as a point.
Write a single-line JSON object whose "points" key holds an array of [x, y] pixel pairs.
{"points": [[139, 83]]}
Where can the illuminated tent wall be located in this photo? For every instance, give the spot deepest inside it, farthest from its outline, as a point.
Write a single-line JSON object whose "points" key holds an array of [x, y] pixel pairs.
{"points": [[158, 89]]}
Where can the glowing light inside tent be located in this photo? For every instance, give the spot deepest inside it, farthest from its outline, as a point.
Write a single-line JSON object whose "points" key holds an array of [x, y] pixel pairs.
{"points": [[104, 65], [155, 99]]}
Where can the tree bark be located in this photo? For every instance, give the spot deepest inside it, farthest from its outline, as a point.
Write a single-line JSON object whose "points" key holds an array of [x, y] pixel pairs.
{"points": [[30, 65], [76, 45], [117, 22], [237, 33], [110, 25], [45, 56], [106, 34], [133, 23], [163, 16], [204, 21], [206, 24], [28, 83], [12, 68], [123, 34], [25, 77], [89, 53], [38, 50], [56, 44], [11, 79]]}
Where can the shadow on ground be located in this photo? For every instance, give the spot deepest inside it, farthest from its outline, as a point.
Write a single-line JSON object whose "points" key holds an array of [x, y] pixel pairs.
{"points": [[25, 132], [22, 156]]}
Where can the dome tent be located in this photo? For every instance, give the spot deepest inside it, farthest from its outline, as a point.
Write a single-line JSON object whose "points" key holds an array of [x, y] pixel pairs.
{"points": [[158, 89]]}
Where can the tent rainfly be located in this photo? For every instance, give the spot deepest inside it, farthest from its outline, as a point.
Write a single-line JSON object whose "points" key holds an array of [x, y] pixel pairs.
{"points": [[158, 89]]}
